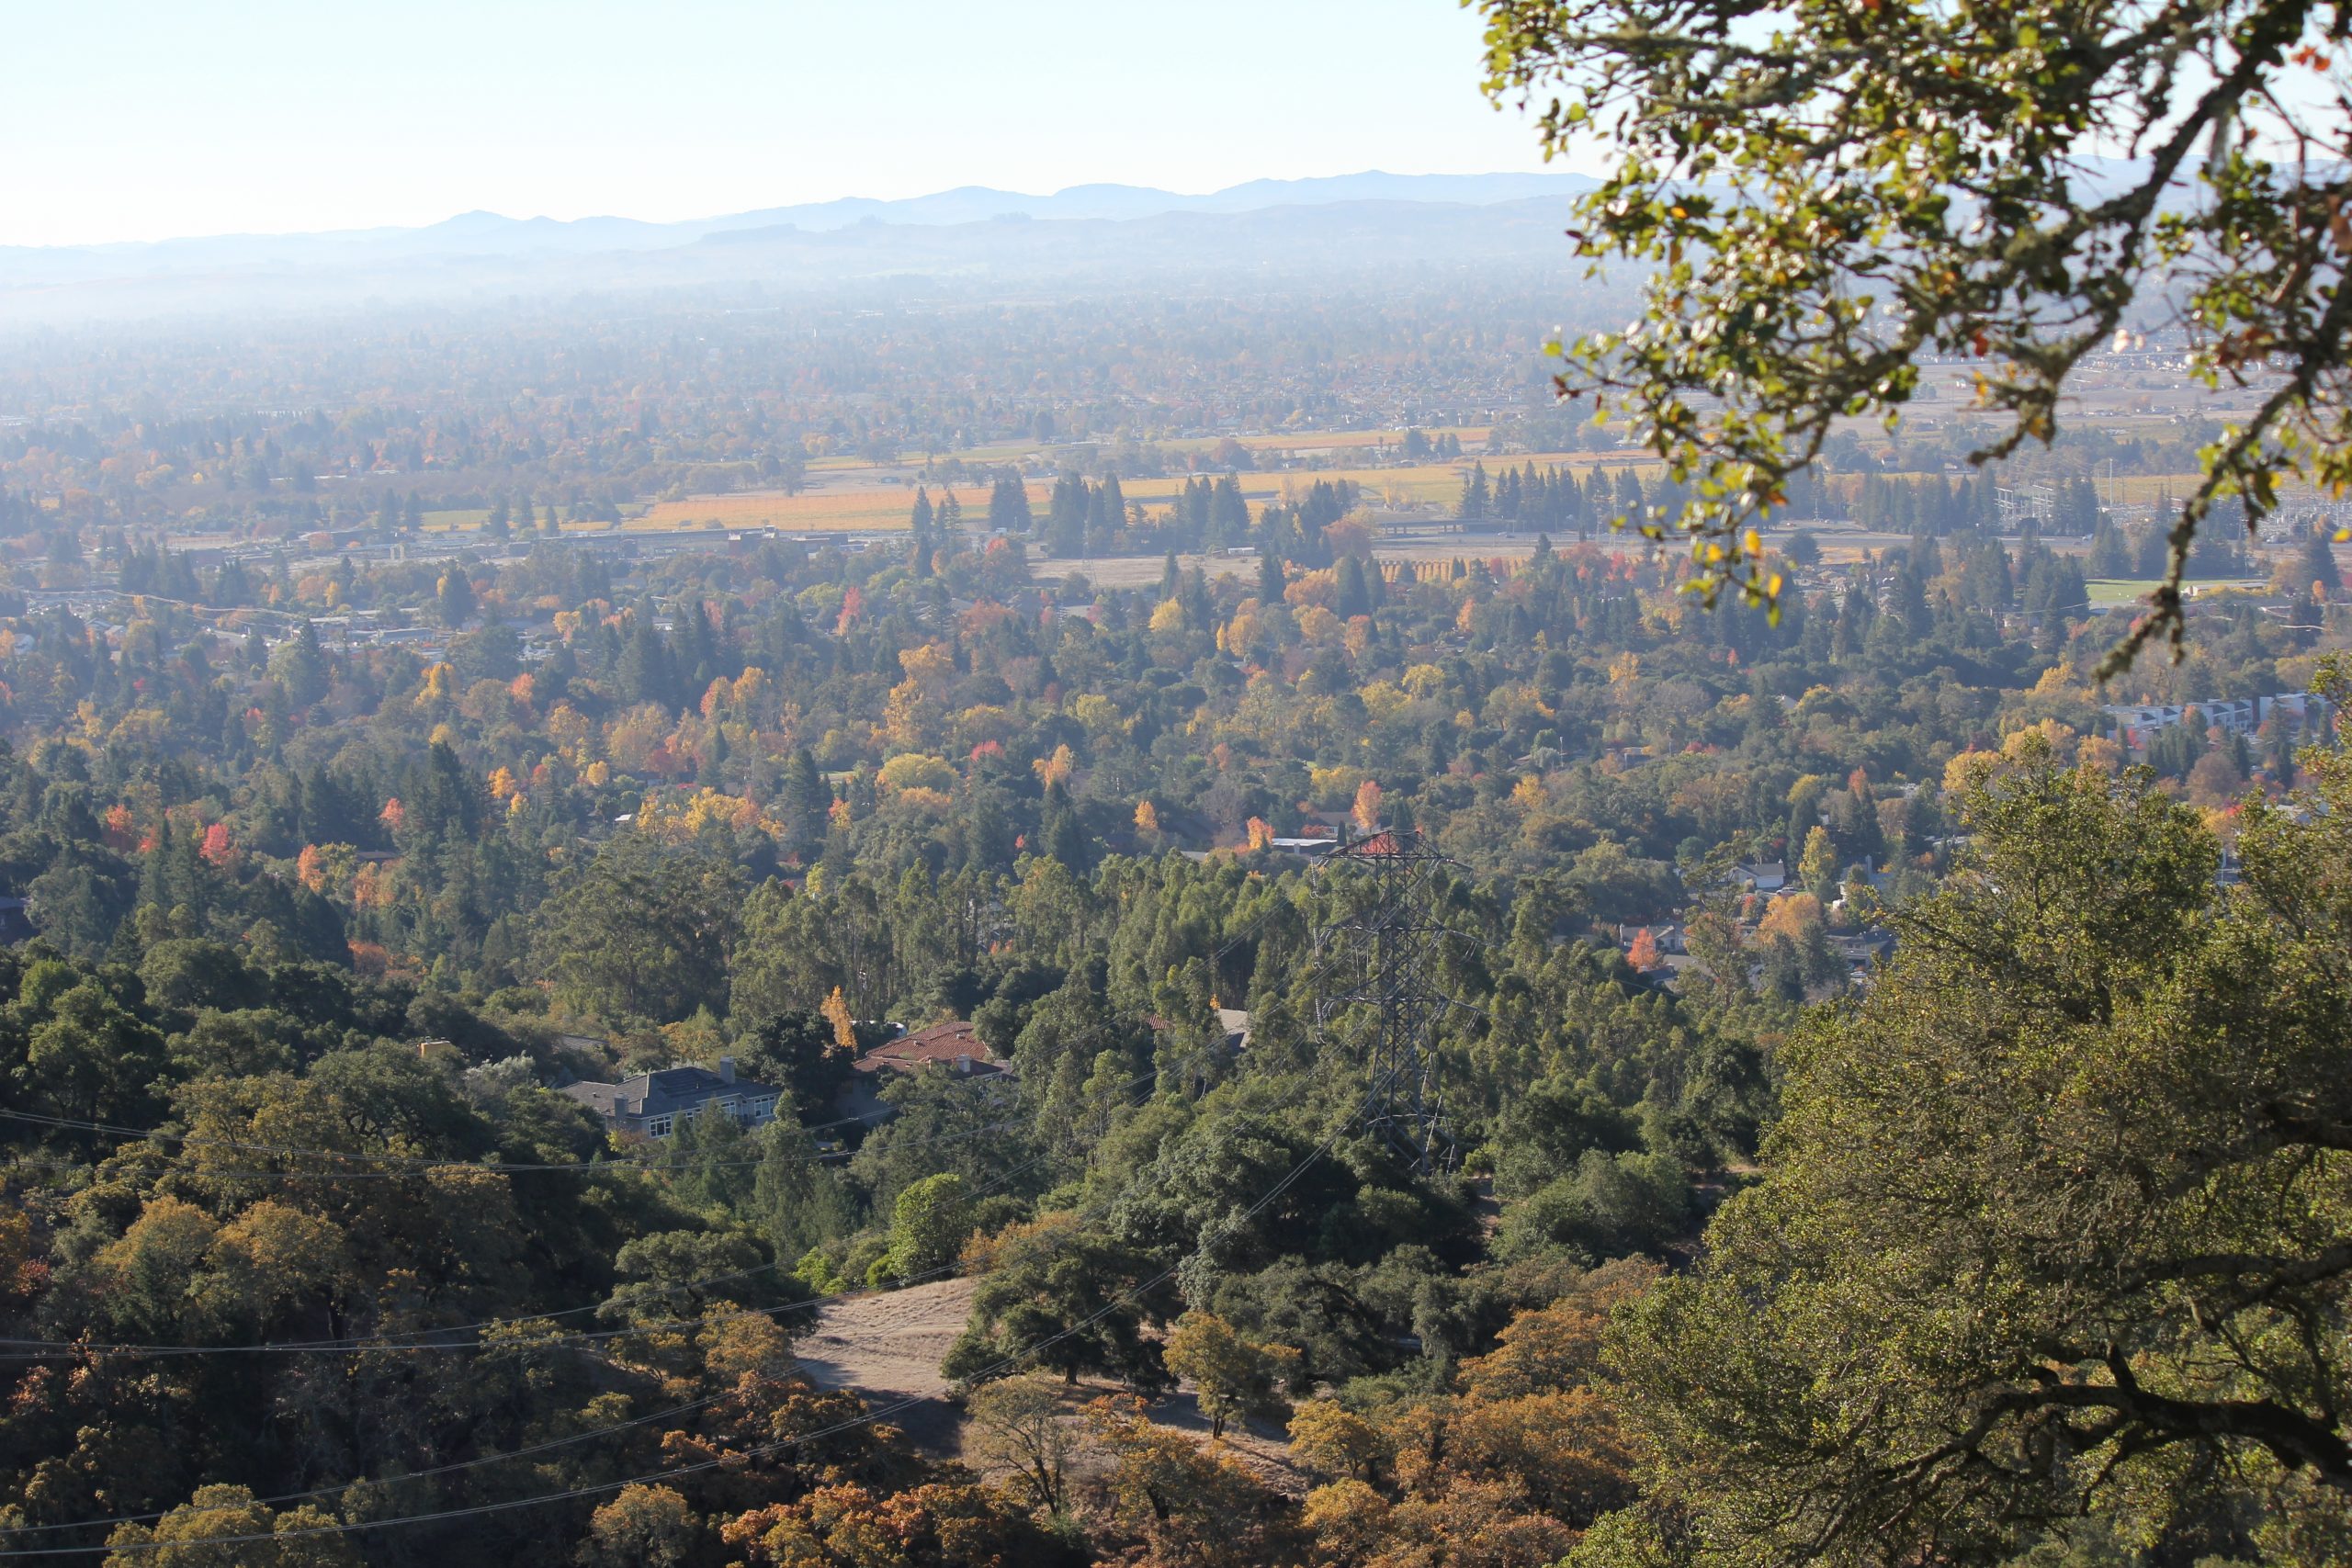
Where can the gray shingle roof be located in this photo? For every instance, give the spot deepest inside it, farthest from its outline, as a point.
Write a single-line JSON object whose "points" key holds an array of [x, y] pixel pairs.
{"points": [[662, 1093]]}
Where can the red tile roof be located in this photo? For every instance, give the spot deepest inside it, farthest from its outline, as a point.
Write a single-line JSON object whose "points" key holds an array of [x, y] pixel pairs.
{"points": [[954, 1043]]}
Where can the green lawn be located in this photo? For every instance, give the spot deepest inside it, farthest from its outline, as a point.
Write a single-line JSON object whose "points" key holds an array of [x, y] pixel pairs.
{"points": [[2107, 593]]}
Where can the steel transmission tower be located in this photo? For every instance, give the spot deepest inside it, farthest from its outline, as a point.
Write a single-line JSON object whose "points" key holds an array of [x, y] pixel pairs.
{"points": [[1376, 993]]}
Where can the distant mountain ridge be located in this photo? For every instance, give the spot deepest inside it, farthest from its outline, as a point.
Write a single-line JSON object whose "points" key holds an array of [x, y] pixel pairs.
{"points": [[478, 233], [969, 236], [969, 203]]}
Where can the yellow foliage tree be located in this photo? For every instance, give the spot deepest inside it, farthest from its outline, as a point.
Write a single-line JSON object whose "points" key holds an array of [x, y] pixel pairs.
{"points": [[187, 1537], [1330, 1439], [1231, 1375], [435, 692], [1098, 713], [644, 1526], [916, 770], [910, 716], [930, 668], [1317, 624], [836, 1010], [1795, 916], [1817, 867], [1967, 769]]}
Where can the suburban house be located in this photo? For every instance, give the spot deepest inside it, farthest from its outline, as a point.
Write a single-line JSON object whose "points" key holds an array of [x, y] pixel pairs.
{"points": [[655, 1105], [1668, 937], [953, 1045], [2137, 723]]}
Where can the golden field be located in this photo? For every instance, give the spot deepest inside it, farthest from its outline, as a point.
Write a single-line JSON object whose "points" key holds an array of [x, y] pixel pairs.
{"points": [[811, 512], [877, 507]]}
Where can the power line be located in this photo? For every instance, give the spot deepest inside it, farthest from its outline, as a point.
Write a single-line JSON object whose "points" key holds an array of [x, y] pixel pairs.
{"points": [[998, 1369], [586, 1435], [666, 1164], [400, 1162], [46, 1350], [880, 1413], [39, 1350], [1384, 950], [415, 1164]]}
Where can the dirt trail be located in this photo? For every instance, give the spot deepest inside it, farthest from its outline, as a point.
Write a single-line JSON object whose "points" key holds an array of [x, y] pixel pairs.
{"points": [[887, 1346]]}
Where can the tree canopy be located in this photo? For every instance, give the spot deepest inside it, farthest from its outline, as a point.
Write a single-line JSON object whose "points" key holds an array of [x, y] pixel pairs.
{"points": [[2055, 1222]]}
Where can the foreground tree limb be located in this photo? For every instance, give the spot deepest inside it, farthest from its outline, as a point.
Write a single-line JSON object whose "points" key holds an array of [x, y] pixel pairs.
{"points": [[2021, 1262], [1830, 192]]}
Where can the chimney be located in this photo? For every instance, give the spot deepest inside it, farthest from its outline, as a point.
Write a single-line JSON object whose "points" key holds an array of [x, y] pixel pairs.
{"points": [[725, 1069]]}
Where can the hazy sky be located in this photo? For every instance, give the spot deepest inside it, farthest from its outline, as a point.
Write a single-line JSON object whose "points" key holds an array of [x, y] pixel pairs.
{"points": [[140, 120]]}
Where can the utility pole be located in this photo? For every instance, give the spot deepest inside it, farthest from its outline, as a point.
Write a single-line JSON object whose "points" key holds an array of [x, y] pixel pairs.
{"points": [[1376, 993]]}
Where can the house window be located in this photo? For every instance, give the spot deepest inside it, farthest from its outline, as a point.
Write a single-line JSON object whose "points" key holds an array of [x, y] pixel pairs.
{"points": [[657, 1126]]}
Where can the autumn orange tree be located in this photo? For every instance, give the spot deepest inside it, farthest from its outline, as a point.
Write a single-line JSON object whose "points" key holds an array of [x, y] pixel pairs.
{"points": [[848, 1524], [1509, 1467], [1182, 1504]]}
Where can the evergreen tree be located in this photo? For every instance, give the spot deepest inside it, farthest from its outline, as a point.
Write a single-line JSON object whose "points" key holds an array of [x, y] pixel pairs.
{"points": [[2315, 563], [300, 666], [1009, 506], [1472, 508], [1228, 519], [643, 668], [454, 597], [1627, 501], [807, 798], [2111, 554], [919, 530], [1354, 599], [1065, 517], [1063, 839]]}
